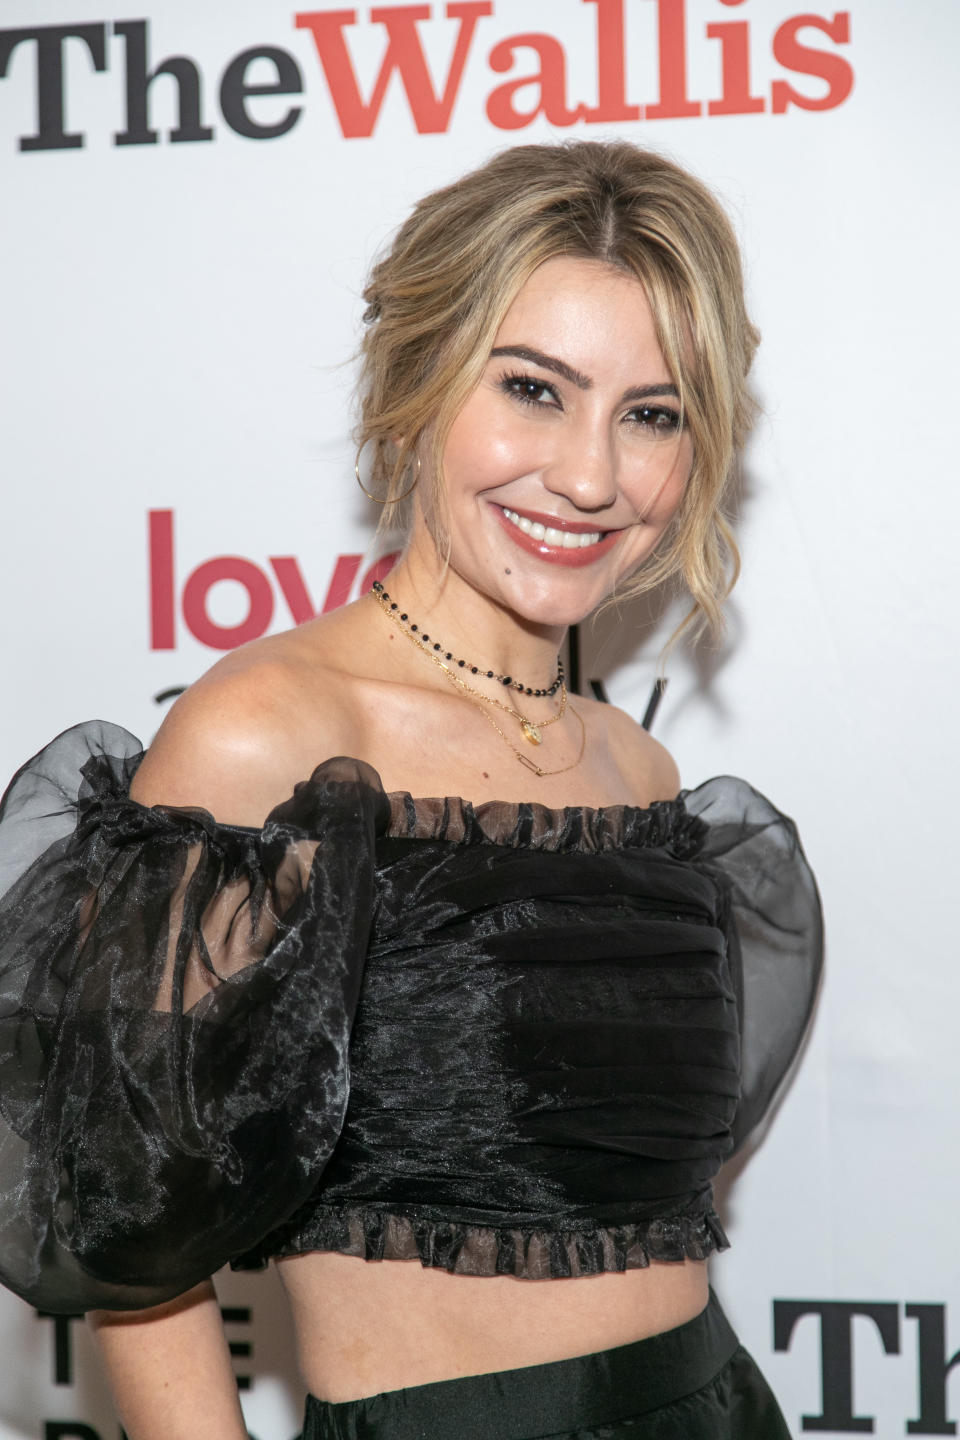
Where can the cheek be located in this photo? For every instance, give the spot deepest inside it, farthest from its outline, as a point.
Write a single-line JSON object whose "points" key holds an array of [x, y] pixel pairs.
{"points": [[670, 497], [664, 497], [486, 450], [659, 481]]}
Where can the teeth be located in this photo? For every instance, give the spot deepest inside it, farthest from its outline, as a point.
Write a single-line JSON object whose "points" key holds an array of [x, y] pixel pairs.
{"points": [[560, 539]]}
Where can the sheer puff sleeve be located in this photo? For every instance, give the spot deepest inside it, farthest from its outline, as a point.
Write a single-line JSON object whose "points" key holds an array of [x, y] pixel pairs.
{"points": [[176, 999], [774, 927]]}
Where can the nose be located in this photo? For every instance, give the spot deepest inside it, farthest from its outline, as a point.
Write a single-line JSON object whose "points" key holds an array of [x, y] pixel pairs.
{"points": [[583, 470]]}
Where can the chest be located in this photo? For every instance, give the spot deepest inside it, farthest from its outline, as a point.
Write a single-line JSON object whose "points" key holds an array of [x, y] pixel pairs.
{"points": [[542, 999]]}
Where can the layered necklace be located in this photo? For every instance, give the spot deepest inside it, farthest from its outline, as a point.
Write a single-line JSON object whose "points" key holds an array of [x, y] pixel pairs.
{"points": [[445, 661]]}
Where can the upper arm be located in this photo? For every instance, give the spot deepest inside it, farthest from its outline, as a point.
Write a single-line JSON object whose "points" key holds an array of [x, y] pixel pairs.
{"points": [[647, 766], [213, 754], [235, 744], [664, 775]]}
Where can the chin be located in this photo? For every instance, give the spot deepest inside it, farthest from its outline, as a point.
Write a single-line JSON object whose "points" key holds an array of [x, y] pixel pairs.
{"points": [[550, 608], [546, 593]]}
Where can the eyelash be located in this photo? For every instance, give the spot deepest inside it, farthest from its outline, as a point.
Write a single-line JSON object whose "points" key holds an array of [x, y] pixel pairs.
{"points": [[511, 385], [662, 418]]}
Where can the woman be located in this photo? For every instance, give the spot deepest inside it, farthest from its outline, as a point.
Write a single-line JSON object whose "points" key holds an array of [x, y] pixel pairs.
{"points": [[496, 1221]]}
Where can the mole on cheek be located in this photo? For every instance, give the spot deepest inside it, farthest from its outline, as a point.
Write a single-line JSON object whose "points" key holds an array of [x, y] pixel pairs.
{"points": [[507, 571]]}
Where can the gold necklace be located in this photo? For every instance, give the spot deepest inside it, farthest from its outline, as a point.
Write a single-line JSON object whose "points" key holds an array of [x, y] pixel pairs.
{"points": [[481, 701], [525, 759], [532, 730]]}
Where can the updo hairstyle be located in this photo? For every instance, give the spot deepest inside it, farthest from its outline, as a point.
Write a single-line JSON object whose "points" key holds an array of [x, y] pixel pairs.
{"points": [[437, 298]]}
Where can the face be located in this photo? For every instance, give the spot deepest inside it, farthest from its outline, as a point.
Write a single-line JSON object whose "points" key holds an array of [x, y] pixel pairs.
{"points": [[568, 461]]}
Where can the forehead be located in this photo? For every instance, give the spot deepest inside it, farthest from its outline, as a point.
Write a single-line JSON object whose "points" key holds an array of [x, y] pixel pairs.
{"points": [[590, 314]]}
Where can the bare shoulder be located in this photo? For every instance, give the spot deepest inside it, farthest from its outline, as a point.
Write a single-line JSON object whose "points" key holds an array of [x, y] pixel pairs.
{"points": [[647, 769], [257, 722]]}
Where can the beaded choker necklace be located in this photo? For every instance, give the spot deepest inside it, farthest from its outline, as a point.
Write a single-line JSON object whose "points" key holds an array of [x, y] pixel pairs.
{"points": [[531, 731], [393, 609]]}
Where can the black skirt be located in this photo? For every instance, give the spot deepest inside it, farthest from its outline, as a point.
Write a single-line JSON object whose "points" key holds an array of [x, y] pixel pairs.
{"points": [[692, 1383]]}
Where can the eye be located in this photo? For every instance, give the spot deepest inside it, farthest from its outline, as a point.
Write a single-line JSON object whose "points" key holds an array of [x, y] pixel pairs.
{"points": [[530, 391], [660, 421]]}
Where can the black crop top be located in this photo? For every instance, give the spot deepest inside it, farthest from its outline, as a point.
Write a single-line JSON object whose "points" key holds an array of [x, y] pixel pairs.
{"points": [[502, 1039]]}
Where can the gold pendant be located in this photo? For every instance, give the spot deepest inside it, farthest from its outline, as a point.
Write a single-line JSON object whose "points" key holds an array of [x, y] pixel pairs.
{"points": [[531, 732]]}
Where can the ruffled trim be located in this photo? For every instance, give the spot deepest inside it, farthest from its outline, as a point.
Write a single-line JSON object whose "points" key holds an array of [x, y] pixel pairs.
{"points": [[178, 999], [526, 1253], [530, 826], [104, 807]]}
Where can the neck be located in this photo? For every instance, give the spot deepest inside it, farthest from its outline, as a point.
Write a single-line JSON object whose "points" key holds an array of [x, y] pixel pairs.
{"points": [[470, 625]]}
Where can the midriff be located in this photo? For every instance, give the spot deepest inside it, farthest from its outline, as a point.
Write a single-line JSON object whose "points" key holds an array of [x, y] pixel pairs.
{"points": [[368, 1326]]}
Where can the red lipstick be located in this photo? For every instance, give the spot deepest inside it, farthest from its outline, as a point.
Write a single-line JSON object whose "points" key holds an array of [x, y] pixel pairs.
{"points": [[559, 554]]}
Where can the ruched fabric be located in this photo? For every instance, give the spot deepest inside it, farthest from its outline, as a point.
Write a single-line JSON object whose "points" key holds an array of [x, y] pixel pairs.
{"points": [[500, 1039], [547, 1052]]}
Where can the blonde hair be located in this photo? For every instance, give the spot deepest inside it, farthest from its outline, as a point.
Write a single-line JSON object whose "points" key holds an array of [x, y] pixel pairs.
{"points": [[436, 300]]}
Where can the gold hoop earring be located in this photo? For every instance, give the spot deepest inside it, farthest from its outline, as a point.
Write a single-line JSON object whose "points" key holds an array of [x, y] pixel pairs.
{"points": [[376, 498]]}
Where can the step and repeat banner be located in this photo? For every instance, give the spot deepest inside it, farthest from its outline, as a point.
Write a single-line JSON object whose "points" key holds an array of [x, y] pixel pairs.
{"points": [[191, 195]]}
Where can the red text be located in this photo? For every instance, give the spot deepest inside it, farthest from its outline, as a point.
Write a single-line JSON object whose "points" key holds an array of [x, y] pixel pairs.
{"points": [[280, 578]]}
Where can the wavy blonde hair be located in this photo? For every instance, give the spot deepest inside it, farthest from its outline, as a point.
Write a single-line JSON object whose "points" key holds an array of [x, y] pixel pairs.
{"points": [[437, 298]]}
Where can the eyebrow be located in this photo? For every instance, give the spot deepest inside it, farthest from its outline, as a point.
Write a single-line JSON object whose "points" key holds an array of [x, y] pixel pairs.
{"points": [[577, 377], [646, 392], [547, 362]]}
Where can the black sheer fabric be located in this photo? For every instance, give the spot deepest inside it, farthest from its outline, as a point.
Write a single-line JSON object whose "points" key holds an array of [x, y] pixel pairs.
{"points": [[175, 1007], [500, 1039]]}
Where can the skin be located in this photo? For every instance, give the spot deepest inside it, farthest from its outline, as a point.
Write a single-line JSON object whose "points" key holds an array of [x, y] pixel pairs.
{"points": [[591, 450]]}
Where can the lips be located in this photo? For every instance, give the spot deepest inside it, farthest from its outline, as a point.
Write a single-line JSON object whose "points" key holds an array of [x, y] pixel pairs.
{"points": [[559, 542]]}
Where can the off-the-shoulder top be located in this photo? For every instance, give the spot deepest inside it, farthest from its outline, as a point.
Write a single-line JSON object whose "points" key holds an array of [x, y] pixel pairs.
{"points": [[502, 1039]]}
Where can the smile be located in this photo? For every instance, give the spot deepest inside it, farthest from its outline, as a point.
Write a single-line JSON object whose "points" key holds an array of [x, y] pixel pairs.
{"points": [[568, 539], [563, 542]]}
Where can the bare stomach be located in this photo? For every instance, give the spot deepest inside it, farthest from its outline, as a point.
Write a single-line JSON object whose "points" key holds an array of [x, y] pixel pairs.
{"points": [[363, 1327]]}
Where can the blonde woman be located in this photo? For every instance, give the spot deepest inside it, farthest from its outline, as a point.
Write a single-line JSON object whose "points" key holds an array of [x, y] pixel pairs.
{"points": [[465, 1068]]}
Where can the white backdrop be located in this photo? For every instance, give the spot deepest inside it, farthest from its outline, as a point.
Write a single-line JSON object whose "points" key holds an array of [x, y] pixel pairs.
{"points": [[177, 321]]}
